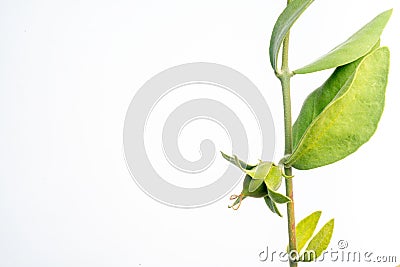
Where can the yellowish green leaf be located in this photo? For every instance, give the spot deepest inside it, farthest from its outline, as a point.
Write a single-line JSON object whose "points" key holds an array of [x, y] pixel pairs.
{"points": [[349, 119], [358, 45]]}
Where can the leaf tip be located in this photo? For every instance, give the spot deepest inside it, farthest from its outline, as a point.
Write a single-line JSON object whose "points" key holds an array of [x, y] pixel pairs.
{"points": [[389, 12], [385, 15]]}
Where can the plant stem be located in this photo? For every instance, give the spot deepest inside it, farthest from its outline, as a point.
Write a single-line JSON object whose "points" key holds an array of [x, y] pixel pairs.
{"points": [[284, 77], [285, 81]]}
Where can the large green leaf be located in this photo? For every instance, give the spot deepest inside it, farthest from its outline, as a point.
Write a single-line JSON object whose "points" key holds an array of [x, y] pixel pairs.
{"points": [[353, 48], [285, 21], [319, 243], [305, 229], [321, 97], [350, 118]]}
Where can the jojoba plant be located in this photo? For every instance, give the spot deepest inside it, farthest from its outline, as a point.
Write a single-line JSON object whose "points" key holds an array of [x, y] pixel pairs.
{"points": [[334, 121]]}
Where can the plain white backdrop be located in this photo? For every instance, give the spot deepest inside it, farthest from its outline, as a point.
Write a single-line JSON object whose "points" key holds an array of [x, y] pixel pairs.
{"points": [[68, 71]]}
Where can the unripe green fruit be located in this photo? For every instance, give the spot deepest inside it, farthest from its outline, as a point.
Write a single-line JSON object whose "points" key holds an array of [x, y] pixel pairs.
{"points": [[261, 191]]}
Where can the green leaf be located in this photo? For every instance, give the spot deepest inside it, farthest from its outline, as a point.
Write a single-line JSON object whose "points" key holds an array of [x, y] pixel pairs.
{"points": [[321, 97], [260, 171], [237, 162], [305, 229], [353, 48], [285, 21], [274, 178], [277, 197], [255, 184], [349, 119], [319, 243], [272, 206]]}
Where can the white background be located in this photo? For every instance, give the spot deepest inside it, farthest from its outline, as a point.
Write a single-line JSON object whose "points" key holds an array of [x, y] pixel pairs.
{"points": [[68, 71]]}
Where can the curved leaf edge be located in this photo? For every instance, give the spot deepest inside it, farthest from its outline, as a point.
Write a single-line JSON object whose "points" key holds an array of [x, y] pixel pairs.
{"points": [[281, 28], [290, 161], [310, 68], [319, 243]]}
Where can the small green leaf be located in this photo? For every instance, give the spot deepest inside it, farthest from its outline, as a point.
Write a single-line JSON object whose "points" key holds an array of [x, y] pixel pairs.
{"points": [[305, 229], [272, 206], [274, 178], [353, 48], [260, 171], [319, 243], [285, 21], [349, 119], [278, 197], [255, 184], [237, 162]]}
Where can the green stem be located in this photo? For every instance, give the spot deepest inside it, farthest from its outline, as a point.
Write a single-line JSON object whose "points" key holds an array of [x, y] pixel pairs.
{"points": [[284, 77], [285, 81]]}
